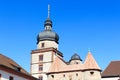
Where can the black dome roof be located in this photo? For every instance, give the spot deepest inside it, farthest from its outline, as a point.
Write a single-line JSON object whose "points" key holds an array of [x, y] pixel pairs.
{"points": [[76, 57], [48, 22], [48, 35]]}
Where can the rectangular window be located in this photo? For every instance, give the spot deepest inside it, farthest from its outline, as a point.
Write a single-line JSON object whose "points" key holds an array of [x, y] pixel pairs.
{"points": [[40, 67], [40, 57], [11, 78], [40, 78], [43, 45]]}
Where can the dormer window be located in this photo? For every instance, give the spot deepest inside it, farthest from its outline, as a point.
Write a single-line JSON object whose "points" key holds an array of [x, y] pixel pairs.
{"points": [[17, 68]]}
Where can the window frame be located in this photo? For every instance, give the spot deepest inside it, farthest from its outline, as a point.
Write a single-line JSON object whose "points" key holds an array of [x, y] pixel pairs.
{"points": [[40, 68], [42, 45], [40, 57]]}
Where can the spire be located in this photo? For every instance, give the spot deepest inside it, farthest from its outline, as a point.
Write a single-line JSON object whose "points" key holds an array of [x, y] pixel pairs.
{"points": [[90, 62], [48, 33], [48, 22], [48, 11]]}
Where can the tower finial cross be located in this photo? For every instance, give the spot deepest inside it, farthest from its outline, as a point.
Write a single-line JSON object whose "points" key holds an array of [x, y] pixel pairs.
{"points": [[48, 11]]}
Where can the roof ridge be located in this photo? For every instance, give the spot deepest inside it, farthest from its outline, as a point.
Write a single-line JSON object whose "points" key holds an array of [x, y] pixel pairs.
{"points": [[116, 61], [112, 69], [58, 62], [10, 60], [11, 63]]}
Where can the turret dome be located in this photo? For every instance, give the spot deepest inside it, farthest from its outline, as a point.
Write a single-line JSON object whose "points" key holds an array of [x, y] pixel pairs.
{"points": [[76, 57]]}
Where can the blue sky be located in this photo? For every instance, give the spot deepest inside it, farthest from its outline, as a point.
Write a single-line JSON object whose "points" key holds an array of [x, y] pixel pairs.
{"points": [[81, 24]]}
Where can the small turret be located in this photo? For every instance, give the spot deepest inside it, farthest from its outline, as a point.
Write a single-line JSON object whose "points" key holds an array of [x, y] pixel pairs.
{"points": [[75, 59], [92, 70]]}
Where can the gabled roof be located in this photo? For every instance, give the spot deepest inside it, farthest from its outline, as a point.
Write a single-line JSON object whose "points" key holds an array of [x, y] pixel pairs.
{"points": [[5, 61], [57, 64], [90, 62], [113, 70], [12, 67]]}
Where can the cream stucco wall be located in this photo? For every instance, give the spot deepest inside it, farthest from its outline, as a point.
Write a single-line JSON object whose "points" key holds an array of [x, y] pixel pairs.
{"points": [[78, 75], [47, 56], [66, 76], [47, 44], [43, 75], [95, 76], [6, 75], [75, 62], [47, 60]]}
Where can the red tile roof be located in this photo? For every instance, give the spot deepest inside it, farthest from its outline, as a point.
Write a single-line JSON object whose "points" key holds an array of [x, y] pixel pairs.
{"points": [[90, 62], [112, 70], [5, 61]]}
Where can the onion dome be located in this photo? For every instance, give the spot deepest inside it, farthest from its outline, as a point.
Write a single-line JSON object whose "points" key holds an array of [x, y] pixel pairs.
{"points": [[48, 33], [76, 57], [48, 22]]}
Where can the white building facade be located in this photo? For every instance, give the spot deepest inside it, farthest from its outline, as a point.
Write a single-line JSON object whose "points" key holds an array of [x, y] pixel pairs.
{"points": [[9, 76]]}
